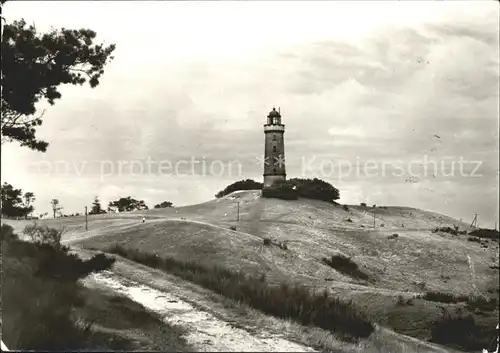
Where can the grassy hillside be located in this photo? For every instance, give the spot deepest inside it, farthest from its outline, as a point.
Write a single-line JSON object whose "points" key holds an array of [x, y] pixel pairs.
{"points": [[398, 268]]}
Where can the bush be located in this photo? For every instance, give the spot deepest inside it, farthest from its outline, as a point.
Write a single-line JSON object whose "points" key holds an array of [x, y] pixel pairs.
{"points": [[280, 190], [44, 235], [291, 302], [345, 207], [474, 239], [315, 189], [393, 236], [40, 286], [349, 220], [7, 233], [486, 234], [232, 227], [454, 231], [362, 204], [444, 297], [482, 304], [473, 303], [294, 188], [267, 241], [401, 300], [345, 265], [460, 330], [247, 184]]}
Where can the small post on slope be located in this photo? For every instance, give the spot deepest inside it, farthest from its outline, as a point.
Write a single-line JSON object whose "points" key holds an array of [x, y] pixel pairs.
{"points": [[238, 217], [86, 222], [474, 221]]}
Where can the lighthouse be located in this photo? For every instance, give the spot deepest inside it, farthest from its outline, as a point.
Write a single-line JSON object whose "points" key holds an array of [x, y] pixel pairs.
{"points": [[274, 149]]}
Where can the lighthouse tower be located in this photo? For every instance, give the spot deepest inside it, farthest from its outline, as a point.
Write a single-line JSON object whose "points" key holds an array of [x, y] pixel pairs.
{"points": [[274, 151]]}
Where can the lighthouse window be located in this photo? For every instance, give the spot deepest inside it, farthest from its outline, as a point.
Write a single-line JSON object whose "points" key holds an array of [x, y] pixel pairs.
{"points": [[274, 148], [274, 137]]}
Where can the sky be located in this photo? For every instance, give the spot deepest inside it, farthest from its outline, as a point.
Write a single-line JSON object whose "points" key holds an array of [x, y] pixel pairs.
{"points": [[393, 103]]}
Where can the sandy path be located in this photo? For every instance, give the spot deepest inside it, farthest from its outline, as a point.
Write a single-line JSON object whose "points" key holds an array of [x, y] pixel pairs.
{"points": [[205, 331]]}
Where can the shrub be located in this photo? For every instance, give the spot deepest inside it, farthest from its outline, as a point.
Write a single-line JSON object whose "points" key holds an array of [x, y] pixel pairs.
{"points": [[345, 265], [292, 302], [474, 239], [232, 227], [44, 235], [460, 330], [7, 233], [482, 304], [247, 184], [294, 188], [484, 233], [444, 297], [280, 190], [401, 300], [267, 241], [454, 231], [393, 236], [40, 286], [362, 204], [345, 207], [315, 189], [349, 220]]}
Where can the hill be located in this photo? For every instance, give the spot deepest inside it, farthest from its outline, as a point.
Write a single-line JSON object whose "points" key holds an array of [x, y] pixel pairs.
{"points": [[398, 268]]}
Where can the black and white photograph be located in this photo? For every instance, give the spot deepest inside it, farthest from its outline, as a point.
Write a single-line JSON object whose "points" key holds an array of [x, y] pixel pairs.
{"points": [[250, 176]]}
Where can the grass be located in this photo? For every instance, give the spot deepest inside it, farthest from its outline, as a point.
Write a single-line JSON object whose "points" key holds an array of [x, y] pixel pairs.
{"points": [[285, 301], [417, 256], [45, 306], [345, 265], [117, 313]]}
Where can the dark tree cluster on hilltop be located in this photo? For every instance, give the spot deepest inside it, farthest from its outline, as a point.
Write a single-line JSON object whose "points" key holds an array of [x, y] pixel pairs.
{"points": [[280, 190], [164, 204], [247, 184], [294, 188], [315, 189], [35, 65], [15, 203], [125, 204]]}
